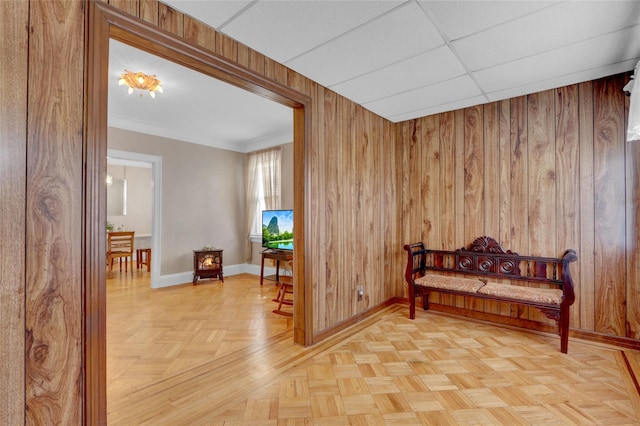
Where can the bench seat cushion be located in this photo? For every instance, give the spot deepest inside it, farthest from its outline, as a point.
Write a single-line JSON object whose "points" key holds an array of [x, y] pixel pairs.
{"points": [[445, 282], [547, 296]]}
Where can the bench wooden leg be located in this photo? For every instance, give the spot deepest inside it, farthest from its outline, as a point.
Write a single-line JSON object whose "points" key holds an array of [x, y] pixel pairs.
{"points": [[563, 325]]}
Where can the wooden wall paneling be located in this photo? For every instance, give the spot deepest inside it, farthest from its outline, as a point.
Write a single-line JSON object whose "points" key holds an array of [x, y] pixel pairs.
{"points": [[504, 159], [257, 62], [609, 188], [392, 243], [474, 173], [568, 177], [403, 137], [430, 190], [447, 216], [132, 7], [376, 225], [202, 35], [474, 216], [541, 179], [334, 202], [298, 82], [322, 204], [585, 288], [226, 47], [430, 185], [447, 181], [244, 53], [542, 173], [459, 141], [633, 235], [347, 213], [149, 11], [14, 21], [491, 167], [275, 71], [519, 188], [54, 270], [170, 19], [504, 185], [360, 215]]}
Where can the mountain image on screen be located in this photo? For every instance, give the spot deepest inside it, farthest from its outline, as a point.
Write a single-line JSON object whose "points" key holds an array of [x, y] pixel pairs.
{"points": [[273, 226], [277, 229]]}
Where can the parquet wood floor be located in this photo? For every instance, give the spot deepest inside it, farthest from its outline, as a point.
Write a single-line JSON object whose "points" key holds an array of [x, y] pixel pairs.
{"points": [[168, 364]]}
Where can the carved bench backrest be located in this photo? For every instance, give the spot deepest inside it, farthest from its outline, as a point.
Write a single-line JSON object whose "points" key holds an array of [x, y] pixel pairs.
{"points": [[486, 257]]}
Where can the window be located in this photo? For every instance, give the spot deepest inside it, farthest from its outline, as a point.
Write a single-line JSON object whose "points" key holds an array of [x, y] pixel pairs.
{"points": [[263, 186]]}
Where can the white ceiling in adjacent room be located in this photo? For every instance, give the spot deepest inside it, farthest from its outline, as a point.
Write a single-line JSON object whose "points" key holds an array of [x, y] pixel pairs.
{"points": [[407, 59]]}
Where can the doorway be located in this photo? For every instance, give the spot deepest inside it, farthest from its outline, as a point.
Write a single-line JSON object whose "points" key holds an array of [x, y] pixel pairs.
{"points": [[107, 22]]}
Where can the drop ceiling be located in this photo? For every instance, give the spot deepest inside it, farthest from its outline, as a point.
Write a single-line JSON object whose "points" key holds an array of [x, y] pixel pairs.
{"points": [[408, 59]]}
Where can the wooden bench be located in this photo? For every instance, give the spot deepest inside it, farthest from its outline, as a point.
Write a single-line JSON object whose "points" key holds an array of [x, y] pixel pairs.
{"points": [[486, 267]]}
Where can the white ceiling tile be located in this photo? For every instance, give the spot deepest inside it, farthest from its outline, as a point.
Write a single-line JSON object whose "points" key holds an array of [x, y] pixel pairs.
{"points": [[608, 49], [462, 103], [461, 18], [398, 35], [214, 13], [425, 97], [421, 70], [284, 29], [559, 25]]}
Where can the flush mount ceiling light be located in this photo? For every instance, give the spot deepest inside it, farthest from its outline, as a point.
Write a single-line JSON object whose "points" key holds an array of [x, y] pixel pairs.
{"points": [[141, 81]]}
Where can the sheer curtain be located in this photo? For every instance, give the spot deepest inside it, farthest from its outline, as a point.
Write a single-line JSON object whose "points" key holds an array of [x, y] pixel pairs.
{"points": [[263, 188]]}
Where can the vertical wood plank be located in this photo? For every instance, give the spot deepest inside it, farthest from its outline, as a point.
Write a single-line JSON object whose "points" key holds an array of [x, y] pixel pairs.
{"points": [[198, 33], [585, 296], [504, 183], [430, 185], [131, 7], [226, 47], [542, 173], [447, 181], [149, 11], [459, 139], [473, 182], [54, 214], [491, 167], [474, 173], [170, 19], [609, 187], [541, 180], [14, 20], [504, 135], [519, 188], [568, 176]]}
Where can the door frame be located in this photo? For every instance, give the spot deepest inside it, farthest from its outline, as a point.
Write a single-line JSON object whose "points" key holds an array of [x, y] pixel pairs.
{"points": [[106, 22]]}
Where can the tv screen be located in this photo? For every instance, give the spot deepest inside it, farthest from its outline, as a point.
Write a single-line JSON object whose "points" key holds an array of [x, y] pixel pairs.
{"points": [[277, 229]]}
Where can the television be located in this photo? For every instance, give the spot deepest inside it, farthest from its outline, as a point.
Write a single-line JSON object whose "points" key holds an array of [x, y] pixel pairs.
{"points": [[277, 229]]}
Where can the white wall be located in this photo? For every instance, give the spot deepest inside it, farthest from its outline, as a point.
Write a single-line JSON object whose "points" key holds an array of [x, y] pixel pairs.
{"points": [[139, 198], [202, 197]]}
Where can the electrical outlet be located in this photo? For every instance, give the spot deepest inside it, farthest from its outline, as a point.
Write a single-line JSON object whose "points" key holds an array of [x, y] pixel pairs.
{"points": [[360, 293]]}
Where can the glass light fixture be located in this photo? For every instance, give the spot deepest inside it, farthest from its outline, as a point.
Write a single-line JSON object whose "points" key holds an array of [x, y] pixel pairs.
{"points": [[141, 81]]}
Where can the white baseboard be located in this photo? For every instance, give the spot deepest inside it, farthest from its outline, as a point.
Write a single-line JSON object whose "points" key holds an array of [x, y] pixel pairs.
{"points": [[228, 270]]}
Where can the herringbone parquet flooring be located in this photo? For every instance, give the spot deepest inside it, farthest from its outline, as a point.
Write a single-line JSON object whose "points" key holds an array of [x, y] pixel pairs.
{"points": [[386, 369]]}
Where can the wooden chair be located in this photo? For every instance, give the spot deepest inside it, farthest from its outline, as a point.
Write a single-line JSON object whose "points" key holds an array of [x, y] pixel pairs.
{"points": [[120, 246], [285, 294]]}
